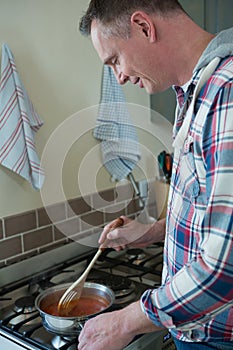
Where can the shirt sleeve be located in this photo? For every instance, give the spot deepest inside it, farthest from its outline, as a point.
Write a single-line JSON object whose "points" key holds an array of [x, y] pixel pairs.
{"points": [[202, 288]]}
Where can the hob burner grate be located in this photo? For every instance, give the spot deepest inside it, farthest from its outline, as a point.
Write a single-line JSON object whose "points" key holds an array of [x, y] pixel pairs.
{"points": [[25, 304], [122, 287]]}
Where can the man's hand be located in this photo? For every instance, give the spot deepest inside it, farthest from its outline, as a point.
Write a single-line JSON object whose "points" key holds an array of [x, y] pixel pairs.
{"points": [[115, 330], [132, 234]]}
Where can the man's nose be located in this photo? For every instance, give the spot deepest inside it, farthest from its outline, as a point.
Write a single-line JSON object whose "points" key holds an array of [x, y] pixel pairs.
{"points": [[121, 77]]}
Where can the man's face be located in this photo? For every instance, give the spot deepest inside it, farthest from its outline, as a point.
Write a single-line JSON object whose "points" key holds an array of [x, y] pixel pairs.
{"points": [[130, 59]]}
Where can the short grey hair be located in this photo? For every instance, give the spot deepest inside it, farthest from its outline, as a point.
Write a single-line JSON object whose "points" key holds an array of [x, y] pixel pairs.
{"points": [[114, 15]]}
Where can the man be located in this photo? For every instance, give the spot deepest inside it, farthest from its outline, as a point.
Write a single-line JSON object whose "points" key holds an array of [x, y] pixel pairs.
{"points": [[155, 44]]}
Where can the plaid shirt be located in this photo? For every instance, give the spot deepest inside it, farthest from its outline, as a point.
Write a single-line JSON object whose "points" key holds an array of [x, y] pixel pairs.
{"points": [[196, 297]]}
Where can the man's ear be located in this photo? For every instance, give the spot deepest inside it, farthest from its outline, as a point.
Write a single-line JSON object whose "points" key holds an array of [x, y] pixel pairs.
{"points": [[145, 24]]}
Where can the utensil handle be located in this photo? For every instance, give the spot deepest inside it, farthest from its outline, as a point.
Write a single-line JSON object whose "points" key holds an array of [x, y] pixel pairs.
{"points": [[92, 262], [116, 223], [85, 273]]}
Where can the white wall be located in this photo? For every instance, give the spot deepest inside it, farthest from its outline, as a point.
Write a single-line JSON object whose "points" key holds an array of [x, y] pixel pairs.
{"points": [[62, 75]]}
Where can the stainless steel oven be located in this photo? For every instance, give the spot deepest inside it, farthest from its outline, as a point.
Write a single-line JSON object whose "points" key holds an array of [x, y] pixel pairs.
{"points": [[128, 273]]}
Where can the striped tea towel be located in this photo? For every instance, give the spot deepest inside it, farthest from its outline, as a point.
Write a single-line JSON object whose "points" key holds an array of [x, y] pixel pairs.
{"points": [[119, 146], [18, 124]]}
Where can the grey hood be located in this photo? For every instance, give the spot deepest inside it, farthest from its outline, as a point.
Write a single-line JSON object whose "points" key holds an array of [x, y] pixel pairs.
{"points": [[220, 46]]}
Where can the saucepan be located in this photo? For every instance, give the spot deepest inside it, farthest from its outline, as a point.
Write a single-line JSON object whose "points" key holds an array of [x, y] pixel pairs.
{"points": [[95, 298]]}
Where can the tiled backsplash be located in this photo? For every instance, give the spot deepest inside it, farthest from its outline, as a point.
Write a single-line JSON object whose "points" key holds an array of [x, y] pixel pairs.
{"points": [[33, 232]]}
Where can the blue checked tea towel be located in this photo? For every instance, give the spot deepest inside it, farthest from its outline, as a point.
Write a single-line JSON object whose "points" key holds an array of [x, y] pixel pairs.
{"points": [[18, 124], [119, 146]]}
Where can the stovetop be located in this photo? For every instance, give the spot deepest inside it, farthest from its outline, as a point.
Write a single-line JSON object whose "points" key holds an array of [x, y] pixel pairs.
{"points": [[128, 273]]}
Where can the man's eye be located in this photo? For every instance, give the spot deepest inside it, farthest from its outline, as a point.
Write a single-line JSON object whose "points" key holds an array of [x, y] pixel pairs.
{"points": [[115, 62]]}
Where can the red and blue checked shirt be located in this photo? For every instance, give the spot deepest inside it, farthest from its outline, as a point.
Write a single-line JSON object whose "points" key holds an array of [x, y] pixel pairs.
{"points": [[196, 297]]}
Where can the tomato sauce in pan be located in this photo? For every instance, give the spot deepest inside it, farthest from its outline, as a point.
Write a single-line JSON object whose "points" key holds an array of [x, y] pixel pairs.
{"points": [[84, 306]]}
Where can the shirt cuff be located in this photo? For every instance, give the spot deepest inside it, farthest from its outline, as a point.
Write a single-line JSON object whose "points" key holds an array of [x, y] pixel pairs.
{"points": [[162, 319], [158, 317]]}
